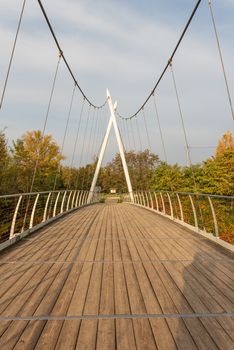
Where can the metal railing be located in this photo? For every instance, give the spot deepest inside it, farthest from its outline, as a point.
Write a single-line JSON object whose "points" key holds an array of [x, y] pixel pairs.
{"points": [[24, 211], [206, 213]]}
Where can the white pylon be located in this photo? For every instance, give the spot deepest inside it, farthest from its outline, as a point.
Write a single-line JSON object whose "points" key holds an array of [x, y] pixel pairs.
{"points": [[113, 122]]}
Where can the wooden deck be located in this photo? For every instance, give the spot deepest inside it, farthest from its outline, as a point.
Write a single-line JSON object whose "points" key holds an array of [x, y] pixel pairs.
{"points": [[116, 277]]}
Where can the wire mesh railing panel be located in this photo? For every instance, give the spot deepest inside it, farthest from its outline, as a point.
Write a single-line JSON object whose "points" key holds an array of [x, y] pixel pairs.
{"points": [[187, 209], [224, 211], [166, 203], [203, 213], [175, 206], [7, 209], [160, 202], [21, 212], [40, 209], [24, 214]]}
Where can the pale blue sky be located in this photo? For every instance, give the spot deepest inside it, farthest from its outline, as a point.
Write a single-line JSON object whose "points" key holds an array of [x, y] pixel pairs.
{"points": [[122, 45]]}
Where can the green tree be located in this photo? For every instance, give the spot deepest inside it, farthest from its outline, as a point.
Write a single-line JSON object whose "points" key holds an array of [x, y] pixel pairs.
{"points": [[4, 162], [141, 166]]}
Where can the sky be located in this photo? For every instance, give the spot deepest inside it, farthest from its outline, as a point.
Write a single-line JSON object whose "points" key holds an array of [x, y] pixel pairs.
{"points": [[122, 46]]}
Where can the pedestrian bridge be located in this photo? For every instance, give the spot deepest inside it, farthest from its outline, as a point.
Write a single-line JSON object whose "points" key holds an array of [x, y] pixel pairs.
{"points": [[116, 276]]}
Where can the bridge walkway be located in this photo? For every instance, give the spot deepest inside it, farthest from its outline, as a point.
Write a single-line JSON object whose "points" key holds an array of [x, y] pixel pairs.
{"points": [[115, 276]]}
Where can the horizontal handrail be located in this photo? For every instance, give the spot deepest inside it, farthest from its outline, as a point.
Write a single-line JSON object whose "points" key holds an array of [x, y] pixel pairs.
{"points": [[22, 212], [205, 213]]}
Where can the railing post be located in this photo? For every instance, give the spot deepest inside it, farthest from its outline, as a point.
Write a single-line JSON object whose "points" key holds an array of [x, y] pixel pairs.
{"points": [[138, 198], [163, 204], [81, 197], [214, 218], [180, 206], [77, 198], [156, 200], [194, 211], [86, 197], [33, 211], [68, 201], [62, 204], [12, 231], [151, 200], [73, 198], [46, 207], [55, 204], [171, 208], [143, 198], [147, 199]]}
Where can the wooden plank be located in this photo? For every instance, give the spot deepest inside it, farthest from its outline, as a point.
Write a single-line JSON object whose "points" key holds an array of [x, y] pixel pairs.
{"points": [[87, 335], [125, 338], [142, 328], [33, 331], [106, 335], [177, 327], [70, 331]]}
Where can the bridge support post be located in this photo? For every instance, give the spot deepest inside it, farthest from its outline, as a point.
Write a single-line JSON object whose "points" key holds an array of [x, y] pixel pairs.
{"points": [[113, 122]]}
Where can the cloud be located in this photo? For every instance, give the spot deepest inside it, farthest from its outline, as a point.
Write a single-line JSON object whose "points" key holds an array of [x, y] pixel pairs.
{"points": [[123, 47]]}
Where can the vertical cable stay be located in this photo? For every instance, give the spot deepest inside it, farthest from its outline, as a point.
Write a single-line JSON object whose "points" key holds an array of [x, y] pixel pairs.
{"points": [[42, 136], [221, 57], [12, 54], [83, 145], [89, 148], [97, 137], [146, 129], [181, 114], [160, 128], [186, 139], [76, 141], [132, 132], [94, 133], [45, 123], [138, 132], [127, 133], [65, 135]]}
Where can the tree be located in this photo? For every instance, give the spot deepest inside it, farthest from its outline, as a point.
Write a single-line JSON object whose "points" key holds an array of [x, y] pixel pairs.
{"points": [[168, 178], [4, 162], [225, 144], [32, 151], [218, 171], [141, 166]]}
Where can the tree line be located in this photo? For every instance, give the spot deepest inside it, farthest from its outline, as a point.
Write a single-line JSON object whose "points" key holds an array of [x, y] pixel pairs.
{"points": [[36, 157]]}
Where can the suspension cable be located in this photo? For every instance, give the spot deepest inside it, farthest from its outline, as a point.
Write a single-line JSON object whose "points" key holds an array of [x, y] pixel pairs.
{"points": [[63, 56], [160, 128], [168, 62], [221, 57], [12, 54]]}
